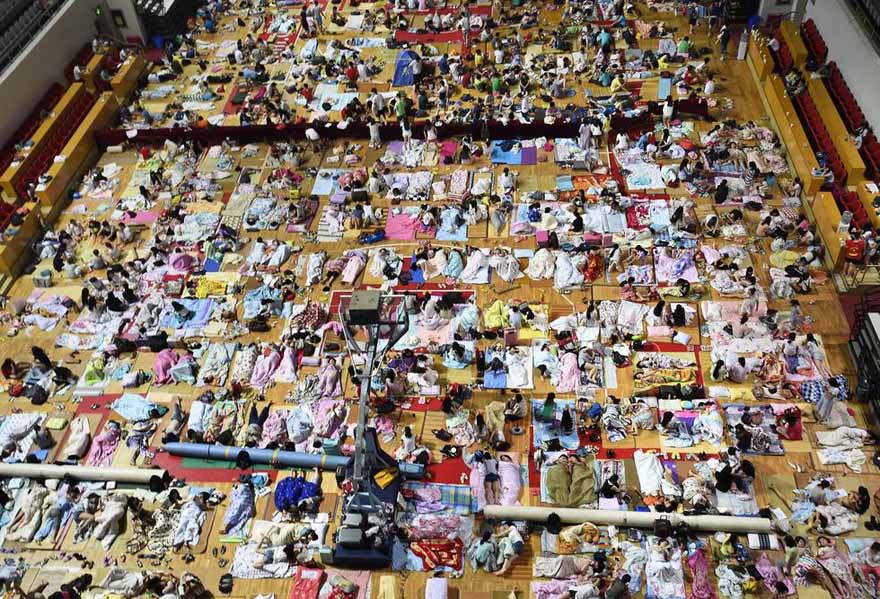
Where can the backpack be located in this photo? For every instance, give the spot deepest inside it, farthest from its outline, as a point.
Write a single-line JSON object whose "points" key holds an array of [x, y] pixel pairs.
{"points": [[662, 527], [442, 434], [258, 325], [386, 407]]}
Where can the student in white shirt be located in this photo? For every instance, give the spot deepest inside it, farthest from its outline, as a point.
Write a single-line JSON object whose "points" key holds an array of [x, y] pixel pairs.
{"points": [[375, 140], [406, 133], [508, 181], [709, 88]]}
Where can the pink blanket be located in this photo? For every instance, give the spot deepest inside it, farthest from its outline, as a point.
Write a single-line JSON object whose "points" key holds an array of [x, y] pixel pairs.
{"points": [[511, 483], [441, 335], [165, 360], [401, 226], [448, 148], [477, 482], [145, 217], [264, 368], [664, 265], [728, 310], [103, 447], [569, 374]]}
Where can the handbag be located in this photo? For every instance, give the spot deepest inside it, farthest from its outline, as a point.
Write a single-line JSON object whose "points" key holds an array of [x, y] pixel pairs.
{"points": [[386, 407], [662, 527], [442, 434]]}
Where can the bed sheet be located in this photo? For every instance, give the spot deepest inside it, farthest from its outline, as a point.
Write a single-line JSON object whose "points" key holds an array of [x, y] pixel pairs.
{"points": [[543, 431], [327, 181], [665, 579], [669, 269]]}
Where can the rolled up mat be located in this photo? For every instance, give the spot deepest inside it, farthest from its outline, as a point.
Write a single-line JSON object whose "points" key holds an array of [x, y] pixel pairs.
{"points": [[155, 478], [276, 457], [737, 524]]}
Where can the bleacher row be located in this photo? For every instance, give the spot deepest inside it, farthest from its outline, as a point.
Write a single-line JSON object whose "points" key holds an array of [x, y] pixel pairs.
{"points": [[808, 113], [82, 57], [56, 143], [843, 98], [818, 133], [30, 125], [17, 35], [784, 59], [853, 118], [811, 119], [849, 200], [814, 41], [10, 10], [23, 133]]}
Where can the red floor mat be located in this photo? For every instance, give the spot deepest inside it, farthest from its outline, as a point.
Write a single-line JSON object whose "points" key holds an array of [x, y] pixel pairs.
{"points": [[449, 472]]}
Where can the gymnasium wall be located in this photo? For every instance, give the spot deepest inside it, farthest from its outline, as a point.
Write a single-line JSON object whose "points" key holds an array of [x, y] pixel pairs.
{"points": [[779, 7], [133, 25], [852, 50], [25, 80]]}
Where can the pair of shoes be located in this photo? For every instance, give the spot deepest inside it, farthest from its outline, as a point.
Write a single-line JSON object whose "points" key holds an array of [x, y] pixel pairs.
{"points": [[873, 524]]}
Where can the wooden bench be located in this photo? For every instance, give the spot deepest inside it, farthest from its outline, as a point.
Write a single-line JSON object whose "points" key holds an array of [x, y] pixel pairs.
{"points": [[792, 133], [792, 38], [846, 149], [78, 151], [126, 78], [10, 177], [760, 59], [867, 198], [827, 216], [15, 252], [91, 74]]}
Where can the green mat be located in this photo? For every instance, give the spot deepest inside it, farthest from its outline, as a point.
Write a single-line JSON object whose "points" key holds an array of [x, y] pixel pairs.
{"points": [[220, 464]]}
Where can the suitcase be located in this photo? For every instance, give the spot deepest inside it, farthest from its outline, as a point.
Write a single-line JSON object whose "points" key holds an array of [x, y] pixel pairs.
{"points": [[44, 279], [350, 537], [353, 520], [593, 238], [360, 196]]}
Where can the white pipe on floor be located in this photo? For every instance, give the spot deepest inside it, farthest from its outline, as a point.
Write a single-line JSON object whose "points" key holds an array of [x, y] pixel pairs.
{"points": [[137, 476], [736, 524]]}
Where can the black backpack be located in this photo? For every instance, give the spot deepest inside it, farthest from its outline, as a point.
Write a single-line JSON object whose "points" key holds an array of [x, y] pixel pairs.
{"points": [[662, 527], [258, 325], [386, 407]]}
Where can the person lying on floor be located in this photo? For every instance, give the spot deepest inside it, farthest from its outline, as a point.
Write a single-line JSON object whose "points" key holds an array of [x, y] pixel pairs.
{"points": [[295, 495], [291, 553], [189, 527], [510, 546], [571, 482], [242, 507]]}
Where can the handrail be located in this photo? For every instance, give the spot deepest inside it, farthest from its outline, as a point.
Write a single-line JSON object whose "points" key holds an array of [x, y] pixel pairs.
{"points": [[870, 22], [25, 33]]}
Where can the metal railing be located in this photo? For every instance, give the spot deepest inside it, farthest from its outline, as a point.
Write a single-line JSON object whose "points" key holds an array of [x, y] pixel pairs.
{"points": [[21, 31], [867, 13]]}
